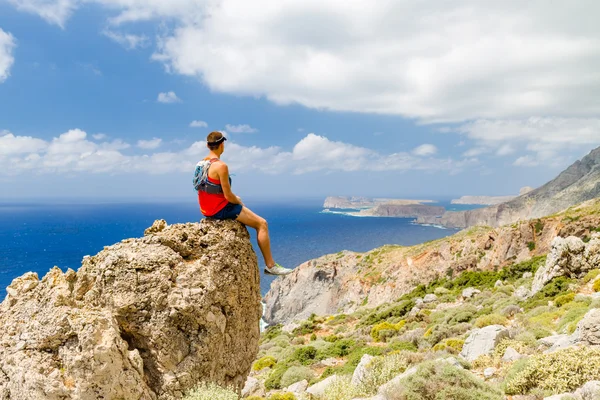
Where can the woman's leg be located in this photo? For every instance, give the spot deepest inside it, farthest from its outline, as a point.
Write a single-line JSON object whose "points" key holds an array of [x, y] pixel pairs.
{"points": [[249, 218]]}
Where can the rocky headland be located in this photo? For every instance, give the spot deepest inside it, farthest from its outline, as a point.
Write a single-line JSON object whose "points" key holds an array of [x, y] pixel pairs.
{"points": [[342, 202], [489, 200], [146, 318], [578, 183]]}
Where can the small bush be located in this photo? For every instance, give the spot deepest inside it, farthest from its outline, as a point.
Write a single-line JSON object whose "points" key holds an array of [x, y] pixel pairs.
{"points": [[282, 396], [399, 345], [398, 310], [510, 311], [591, 275], [305, 328], [531, 246], [564, 299], [442, 381], [264, 362], [555, 287], [596, 286], [313, 337], [340, 389], [298, 340], [377, 329], [296, 374], [305, 355], [558, 372], [273, 381], [491, 319], [270, 333], [211, 391], [380, 371]]}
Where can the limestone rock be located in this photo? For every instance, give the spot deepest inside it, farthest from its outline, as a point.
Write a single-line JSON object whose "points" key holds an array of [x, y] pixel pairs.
{"points": [[489, 372], [429, 298], [498, 283], [527, 275], [522, 293], [252, 388], [483, 341], [297, 388], [511, 355], [563, 396], [589, 391], [569, 257], [470, 292], [143, 319], [588, 329], [360, 372], [318, 389]]}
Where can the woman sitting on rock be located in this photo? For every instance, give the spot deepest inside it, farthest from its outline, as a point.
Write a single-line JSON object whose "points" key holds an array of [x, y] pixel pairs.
{"points": [[218, 201]]}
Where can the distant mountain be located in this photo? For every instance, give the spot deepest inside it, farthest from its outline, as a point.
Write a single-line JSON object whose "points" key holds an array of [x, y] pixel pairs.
{"points": [[578, 183]]}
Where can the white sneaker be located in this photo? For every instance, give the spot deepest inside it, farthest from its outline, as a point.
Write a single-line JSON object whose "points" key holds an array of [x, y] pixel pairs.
{"points": [[277, 270]]}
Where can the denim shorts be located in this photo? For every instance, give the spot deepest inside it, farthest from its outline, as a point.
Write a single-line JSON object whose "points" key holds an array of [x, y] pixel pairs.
{"points": [[230, 211]]}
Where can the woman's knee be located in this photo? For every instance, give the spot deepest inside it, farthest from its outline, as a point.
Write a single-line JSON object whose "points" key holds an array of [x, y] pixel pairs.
{"points": [[263, 224]]}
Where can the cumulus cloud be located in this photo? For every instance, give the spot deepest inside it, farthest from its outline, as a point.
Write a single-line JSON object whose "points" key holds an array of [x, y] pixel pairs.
{"points": [[240, 128], [168, 98], [99, 136], [7, 45], [436, 61], [544, 138], [198, 124], [73, 152], [149, 144], [127, 40], [425, 150]]}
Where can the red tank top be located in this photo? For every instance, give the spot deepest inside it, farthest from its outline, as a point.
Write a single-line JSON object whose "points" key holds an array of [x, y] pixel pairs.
{"points": [[210, 203]]}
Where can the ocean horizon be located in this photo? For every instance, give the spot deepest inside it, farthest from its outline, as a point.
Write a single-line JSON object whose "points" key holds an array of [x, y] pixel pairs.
{"points": [[35, 237]]}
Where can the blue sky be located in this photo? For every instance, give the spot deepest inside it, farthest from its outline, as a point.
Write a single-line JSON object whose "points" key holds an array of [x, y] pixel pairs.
{"points": [[317, 98]]}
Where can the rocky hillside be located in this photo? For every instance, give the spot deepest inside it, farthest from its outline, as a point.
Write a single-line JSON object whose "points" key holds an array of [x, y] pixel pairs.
{"points": [[345, 281], [145, 318], [578, 183], [401, 211], [526, 331]]}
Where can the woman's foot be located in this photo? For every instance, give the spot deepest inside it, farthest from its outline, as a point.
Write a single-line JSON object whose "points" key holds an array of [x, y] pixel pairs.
{"points": [[277, 270]]}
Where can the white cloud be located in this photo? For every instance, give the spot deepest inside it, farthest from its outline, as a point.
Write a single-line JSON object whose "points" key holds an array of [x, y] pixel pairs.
{"points": [[7, 45], [149, 144], [53, 11], [168, 98], [127, 40], [99, 136], [545, 138], [240, 129], [72, 152], [425, 150], [198, 124], [433, 61], [526, 161]]}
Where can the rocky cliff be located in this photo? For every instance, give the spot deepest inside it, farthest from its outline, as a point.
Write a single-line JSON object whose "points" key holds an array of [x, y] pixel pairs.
{"points": [[578, 183], [402, 211], [145, 318], [342, 282]]}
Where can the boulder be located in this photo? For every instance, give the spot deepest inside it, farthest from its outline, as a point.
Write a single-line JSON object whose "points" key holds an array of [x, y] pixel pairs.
{"points": [[570, 257], [498, 283], [252, 388], [146, 318], [360, 372], [589, 391], [489, 372], [429, 298], [470, 292], [522, 293], [588, 329], [483, 341], [527, 275], [511, 355], [563, 396], [297, 388], [318, 389]]}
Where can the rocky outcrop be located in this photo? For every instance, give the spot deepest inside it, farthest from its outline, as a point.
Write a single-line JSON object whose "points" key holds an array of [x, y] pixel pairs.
{"points": [[578, 183], [482, 200], [570, 257], [342, 282], [365, 202], [145, 318], [483, 341]]}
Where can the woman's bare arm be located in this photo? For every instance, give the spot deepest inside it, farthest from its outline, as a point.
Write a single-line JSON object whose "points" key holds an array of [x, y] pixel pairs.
{"points": [[223, 172]]}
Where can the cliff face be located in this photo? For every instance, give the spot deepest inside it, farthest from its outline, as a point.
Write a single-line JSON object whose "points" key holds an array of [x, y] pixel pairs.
{"points": [[403, 211], [341, 282], [144, 319], [578, 183]]}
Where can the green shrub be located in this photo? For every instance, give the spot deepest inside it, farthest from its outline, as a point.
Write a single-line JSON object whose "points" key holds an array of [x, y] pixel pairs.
{"points": [[403, 345], [305, 355], [377, 329], [491, 319], [270, 333], [381, 370], [296, 374], [591, 275], [306, 327], [331, 338], [397, 310], [564, 299], [282, 396], [273, 381], [596, 286], [313, 337], [555, 287], [298, 340], [558, 372], [531, 246], [442, 381], [574, 314], [340, 348], [211, 391], [264, 362], [341, 389]]}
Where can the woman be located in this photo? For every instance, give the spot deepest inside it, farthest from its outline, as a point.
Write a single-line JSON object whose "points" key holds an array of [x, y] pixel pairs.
{"points": [[218, 201]]}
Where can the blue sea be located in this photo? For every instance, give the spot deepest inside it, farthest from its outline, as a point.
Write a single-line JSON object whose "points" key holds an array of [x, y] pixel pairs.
{"points": [[36, 237]]}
